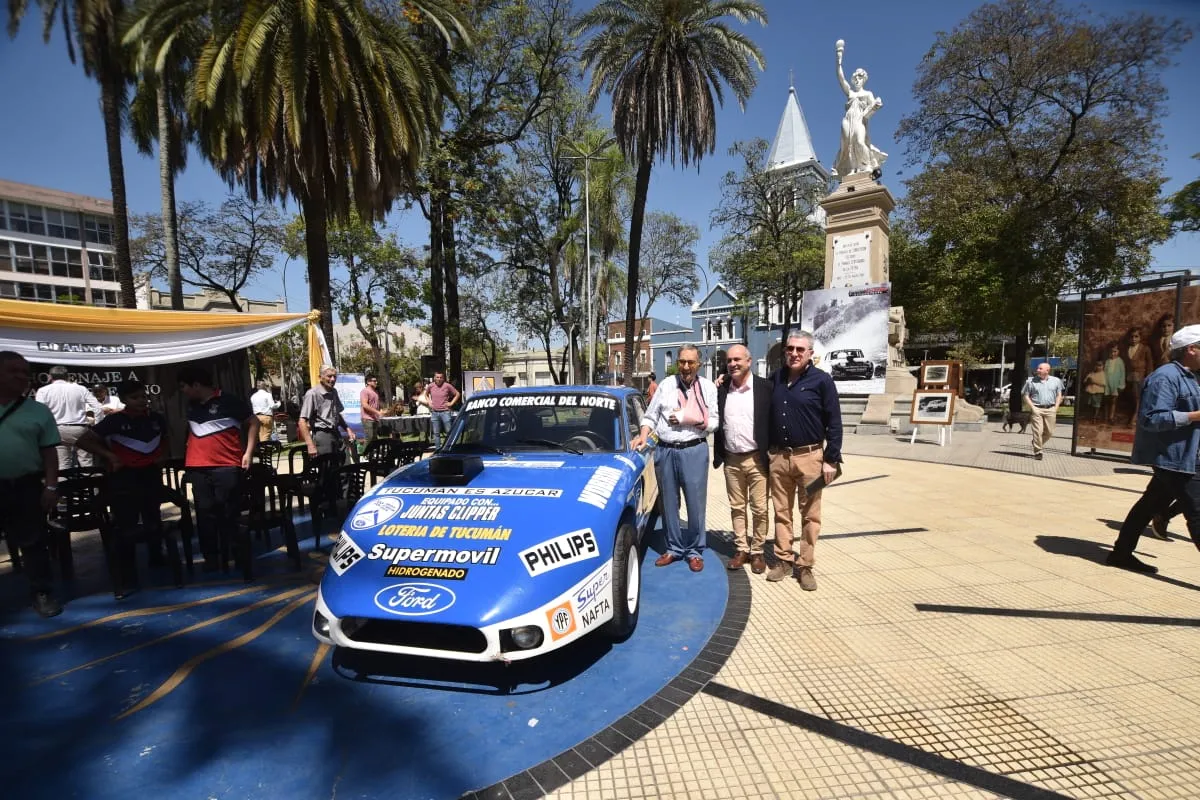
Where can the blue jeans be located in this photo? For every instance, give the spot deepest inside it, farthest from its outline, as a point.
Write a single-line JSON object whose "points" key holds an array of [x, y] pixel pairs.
{"points": [[685, 469], [439, 425]]}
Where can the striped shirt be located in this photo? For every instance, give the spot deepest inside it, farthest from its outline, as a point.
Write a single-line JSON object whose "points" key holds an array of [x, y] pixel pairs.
{"points": [[215, 431]]}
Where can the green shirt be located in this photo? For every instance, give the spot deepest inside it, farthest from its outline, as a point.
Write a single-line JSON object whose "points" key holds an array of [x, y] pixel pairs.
{"points": [[22, 437]]}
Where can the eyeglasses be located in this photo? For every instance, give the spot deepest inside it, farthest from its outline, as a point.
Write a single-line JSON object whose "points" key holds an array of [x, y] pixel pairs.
{"points": [[792, 349], [687, 362]]}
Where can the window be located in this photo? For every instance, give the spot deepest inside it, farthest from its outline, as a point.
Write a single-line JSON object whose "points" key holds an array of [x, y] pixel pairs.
{"points": [[637, 410], [71, 295], [37, 223], [23, 257], [8, 289], [62, 224], [100, 266], [104, 298], [16, 218], [65, 263], [41, 259], [3, 217], [6, 259], [98, 230]]}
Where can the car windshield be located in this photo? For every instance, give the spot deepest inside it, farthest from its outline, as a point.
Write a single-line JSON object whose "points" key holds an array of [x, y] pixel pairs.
{"points": [[574, 423]]}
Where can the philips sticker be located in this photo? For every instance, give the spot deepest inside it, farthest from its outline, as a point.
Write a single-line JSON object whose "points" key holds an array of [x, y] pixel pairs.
{"points": [[570, 548], [414, 599], [346, 553], [375, 512]]}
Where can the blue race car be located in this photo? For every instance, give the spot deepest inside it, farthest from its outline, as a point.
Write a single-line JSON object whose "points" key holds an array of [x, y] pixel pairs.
{"points": [[521, 535]]}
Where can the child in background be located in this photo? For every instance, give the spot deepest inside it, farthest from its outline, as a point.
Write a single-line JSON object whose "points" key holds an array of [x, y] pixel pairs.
{"points": [[1114, 380], [1093, 387]]}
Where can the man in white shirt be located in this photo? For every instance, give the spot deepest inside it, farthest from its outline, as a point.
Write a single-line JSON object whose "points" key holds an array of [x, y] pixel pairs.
{"points": [[263, 404], [682, 414], [70, 404]]}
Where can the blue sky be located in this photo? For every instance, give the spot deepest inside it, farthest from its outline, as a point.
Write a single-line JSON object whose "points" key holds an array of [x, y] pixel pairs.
{"points": [[53, 136]]}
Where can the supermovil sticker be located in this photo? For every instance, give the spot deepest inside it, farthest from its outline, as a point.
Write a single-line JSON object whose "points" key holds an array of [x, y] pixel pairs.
{"points": [[346, 553], [434, 555], [569, 548], [375, 512], [414, 599]]}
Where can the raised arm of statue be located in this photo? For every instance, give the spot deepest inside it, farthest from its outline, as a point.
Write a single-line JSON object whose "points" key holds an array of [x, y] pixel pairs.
{"points": [[841, 48]]}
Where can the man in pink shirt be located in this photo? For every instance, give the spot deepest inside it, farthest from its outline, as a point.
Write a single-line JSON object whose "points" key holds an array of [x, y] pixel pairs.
{"points": [[442, 399], [740, 444], [370, 412]]}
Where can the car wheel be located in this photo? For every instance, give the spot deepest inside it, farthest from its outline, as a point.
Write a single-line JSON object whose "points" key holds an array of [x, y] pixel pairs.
{"points": [[626, 584]]}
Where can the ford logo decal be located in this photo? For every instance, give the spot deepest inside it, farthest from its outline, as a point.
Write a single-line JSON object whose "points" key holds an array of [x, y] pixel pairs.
{"points": [[414, 599]]}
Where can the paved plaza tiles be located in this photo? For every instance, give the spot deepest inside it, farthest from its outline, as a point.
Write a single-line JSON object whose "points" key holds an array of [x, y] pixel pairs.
{"points": [[965, 641]]}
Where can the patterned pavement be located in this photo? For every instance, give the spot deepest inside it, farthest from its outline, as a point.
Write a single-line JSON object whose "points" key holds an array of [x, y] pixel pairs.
{"points": [[965, 642]]}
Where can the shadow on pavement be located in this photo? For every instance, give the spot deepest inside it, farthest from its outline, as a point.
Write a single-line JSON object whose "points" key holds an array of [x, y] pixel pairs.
{"points": [[1092, 551]]}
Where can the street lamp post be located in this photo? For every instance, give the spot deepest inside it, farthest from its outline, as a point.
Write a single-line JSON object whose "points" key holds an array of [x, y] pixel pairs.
{"points": [[586, 157]]}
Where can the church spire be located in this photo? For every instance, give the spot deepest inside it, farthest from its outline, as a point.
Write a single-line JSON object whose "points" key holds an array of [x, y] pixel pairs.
{"points": [[793, 145]]}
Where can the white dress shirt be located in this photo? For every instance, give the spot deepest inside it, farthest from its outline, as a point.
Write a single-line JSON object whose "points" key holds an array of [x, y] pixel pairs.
{"points": [[739, 418], [263, 403], [666, 400], [69, 402]]}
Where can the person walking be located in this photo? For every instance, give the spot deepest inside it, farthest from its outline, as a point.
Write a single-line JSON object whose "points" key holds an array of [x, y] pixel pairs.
{"points": [[1042, 394], [222, 435], [805, 445], [264, 404], [134, 442], [442, 399], [651, 388], [29, 439], [740, 445], [370, 412], [1168, 439], [321, 416], [70, 404], [682, 414]]}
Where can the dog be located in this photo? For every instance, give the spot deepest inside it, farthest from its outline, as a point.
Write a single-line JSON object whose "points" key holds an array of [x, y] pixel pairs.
{"points": [[1014, 418]]}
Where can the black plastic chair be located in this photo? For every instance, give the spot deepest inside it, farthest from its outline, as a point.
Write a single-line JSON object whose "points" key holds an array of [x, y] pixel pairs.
{"points": [[174, 491], [80, 508], [266, 505], [320, 482], [268, 453], [123, 543]]}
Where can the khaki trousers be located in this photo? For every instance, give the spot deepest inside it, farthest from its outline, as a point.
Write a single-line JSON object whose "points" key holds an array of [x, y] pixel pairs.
{"points": [[1043, 420], [746, 482], [266, 426], [790, 473]]}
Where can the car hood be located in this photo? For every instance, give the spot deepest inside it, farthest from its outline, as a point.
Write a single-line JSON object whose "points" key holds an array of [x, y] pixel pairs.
{"points": [[510, 539]]}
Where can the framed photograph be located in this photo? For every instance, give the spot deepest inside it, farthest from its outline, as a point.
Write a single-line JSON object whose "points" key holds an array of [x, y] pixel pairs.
{"points": [[936, 373], [932, 407]]}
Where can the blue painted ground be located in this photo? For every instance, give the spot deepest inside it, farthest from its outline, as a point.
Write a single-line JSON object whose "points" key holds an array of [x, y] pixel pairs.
{"points": [[216, 699]]}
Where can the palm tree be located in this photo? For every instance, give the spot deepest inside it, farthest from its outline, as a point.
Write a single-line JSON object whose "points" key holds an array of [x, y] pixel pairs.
{"points": [[664, 62], [328, 103], [164, 54], [91, 27]]}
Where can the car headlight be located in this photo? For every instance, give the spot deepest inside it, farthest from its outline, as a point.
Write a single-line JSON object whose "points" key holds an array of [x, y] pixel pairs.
{"points": [[526, 637], [320, 624]]}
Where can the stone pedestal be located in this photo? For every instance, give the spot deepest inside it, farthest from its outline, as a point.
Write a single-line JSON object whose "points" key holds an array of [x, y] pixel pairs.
{"points": [[856, 232]]}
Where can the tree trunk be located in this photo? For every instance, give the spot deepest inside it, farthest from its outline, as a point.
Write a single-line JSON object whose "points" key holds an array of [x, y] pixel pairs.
{"points": [[437, 308], [638, 216], [453, 319], [166, 179], [1017, 376], [316, 248], [109, 93]]}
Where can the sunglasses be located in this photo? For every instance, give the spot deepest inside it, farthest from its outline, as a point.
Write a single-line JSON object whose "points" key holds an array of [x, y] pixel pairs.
{"points": [[791, 349], [687, 362]]}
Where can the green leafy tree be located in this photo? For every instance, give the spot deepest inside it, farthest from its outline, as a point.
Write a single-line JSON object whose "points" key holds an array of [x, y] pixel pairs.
{"points": [[1037, 125], [91, 28], [329, 103], [666, 64], [671, 271], [1183, 207]]}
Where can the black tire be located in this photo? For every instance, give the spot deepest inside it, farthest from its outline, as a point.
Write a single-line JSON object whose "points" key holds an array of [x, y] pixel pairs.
{"points": [[624, 619]]}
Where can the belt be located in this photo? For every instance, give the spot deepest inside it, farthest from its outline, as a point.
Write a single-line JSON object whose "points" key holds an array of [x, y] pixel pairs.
{"points": [[801, 449], [681, 445], [1049, 406], [325, 430]]}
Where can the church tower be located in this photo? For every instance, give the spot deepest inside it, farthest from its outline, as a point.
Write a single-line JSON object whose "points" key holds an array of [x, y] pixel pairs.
{"points": [[793, 157]]}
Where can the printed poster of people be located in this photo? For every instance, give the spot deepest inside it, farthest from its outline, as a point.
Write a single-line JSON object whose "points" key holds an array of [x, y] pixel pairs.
{"points": [[851, 329], [1123, 340]]}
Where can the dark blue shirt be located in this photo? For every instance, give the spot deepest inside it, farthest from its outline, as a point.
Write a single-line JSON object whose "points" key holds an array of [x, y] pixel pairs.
{"points": [[806, 412]]}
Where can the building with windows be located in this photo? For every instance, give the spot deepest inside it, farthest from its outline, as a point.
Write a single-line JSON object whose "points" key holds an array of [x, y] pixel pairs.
{"points": [[647, 328], [56, 247]]}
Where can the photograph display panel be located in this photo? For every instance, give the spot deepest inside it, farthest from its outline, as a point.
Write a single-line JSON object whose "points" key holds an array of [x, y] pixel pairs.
{"points": [[850, 327], [932, 407]]}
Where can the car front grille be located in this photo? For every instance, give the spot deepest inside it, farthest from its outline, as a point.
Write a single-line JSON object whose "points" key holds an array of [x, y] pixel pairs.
{"points": [[427, 635]]}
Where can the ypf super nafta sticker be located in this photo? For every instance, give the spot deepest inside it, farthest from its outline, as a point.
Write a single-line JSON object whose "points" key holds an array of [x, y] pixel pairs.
{"points": [[570, 548], [561, 620], [375, 512], [346, 553]]}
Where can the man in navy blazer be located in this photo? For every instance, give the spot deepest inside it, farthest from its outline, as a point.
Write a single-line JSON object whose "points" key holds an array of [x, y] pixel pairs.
{"points": [[740, 445]]}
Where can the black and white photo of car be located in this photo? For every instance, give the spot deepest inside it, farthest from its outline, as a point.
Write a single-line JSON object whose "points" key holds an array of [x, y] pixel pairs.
{"points": [[849, 364]]}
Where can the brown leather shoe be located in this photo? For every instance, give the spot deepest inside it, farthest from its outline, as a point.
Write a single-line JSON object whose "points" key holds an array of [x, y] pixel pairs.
{"points": [[696, 563], [739, 560], [758, 564], [665, 559], [807, 582]]}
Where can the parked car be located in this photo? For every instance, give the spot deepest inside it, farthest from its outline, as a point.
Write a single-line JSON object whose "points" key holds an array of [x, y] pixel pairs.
{"points": [[844, 364], [520, 536]]}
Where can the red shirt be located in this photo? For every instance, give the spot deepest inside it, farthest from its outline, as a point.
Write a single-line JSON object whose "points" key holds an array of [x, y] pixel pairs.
{"points": [[440, 396], [136, 440], [215, 431], [368, 399]]}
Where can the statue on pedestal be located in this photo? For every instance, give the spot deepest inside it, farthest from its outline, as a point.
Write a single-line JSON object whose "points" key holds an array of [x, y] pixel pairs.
{"points": [[856, 154]]}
